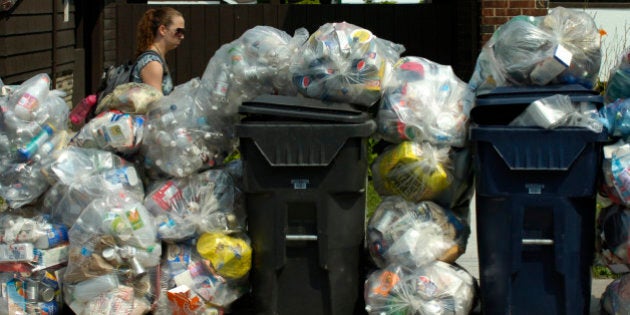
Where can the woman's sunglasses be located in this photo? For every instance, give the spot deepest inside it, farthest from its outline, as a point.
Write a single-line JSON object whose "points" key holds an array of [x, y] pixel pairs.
{"points": [[180, 31]]}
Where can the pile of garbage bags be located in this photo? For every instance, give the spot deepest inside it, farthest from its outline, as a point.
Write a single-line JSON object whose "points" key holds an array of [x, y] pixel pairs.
{"points": [[612, 223], [422, 172], [140, 209], [88, 218]]}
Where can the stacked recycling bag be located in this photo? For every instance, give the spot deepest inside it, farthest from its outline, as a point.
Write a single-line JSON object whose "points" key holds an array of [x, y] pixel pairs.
{"points": [[152, 184], [184, 135], [34, 246], [208, 254], [77, 221], [615, 299], [413, 245], [34, 253], [422, 120], [343, 63], [613, 224], [562, 47], [33, 127], [113, 257], [256, 63], [424, 178], [160, 158]]}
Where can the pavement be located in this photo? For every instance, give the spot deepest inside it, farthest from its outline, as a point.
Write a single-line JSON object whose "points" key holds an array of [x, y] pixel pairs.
{"points": [[469, 261]]}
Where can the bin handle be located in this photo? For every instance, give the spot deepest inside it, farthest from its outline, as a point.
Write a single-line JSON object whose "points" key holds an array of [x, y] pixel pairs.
{"points": [[537, 241], [301, 237]]}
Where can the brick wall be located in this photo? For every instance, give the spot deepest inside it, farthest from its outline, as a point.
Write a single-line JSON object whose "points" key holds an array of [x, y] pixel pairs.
{"points": [[495, 13]]}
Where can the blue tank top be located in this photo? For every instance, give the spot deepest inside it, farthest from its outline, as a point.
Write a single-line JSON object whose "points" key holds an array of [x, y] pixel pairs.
{"points": [[143, 60]]}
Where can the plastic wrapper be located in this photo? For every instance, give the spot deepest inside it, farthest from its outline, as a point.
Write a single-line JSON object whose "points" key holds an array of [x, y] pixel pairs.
{"points": [[436, 288], [37, 293], [342, 62], [620, 171], [186, 277], [414, 234], [256, 63], [606, 187], [424, 101], [558, 111], [22, 184], [187, 207], [32, 120], [614, 223], [618, 86], [108, 296], [616, 297], [562, 47], [185, 135], [37, 230], [131, 98], [415, 171], [31, 242], [115, 222], [616, 118], [113, 258], [112, 131], [230, 256], [81, 175]]}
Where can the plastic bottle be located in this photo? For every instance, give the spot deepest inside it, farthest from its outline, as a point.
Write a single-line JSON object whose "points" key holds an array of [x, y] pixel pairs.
{"points": [[147, 257], [89, 289], [111, 255], [161, 117], [47, 148], [220, 88], [33, 146], [21, 128], [29, 101], [165, 139], [132, 225], [52, 235], [80, 111]]}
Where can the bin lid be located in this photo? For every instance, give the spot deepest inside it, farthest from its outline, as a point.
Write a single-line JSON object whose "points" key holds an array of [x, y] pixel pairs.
{"points": [[281, 107], [501, 105]]}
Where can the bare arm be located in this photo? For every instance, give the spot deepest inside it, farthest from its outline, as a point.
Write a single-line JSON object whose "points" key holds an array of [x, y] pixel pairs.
{"points": [[152, 74]]}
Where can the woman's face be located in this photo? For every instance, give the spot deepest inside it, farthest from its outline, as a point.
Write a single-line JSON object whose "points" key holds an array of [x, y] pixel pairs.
{"points": [[175, 32]]}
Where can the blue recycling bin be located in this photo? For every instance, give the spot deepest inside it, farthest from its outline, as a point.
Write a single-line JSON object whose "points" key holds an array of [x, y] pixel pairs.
{"points": [[535, 205]]}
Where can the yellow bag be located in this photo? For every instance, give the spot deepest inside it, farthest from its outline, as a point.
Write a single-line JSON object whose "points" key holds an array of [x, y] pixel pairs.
{"points": [[411, 170], [230, 257]]}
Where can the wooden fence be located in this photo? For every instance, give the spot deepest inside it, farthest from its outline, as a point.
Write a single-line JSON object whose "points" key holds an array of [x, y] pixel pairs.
{"points": [[82, 37], [37, 37], [445, 31]]}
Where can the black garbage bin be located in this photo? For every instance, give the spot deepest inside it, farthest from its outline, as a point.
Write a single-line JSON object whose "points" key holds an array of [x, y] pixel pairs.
{"points": [[304, 173], [535, 205]]}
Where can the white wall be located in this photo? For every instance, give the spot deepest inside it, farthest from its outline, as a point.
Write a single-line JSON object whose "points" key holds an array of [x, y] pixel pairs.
{"points": [[616, 22]]}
